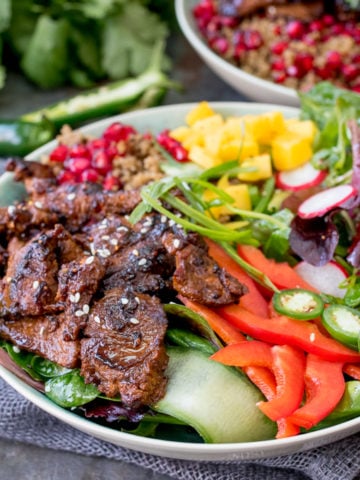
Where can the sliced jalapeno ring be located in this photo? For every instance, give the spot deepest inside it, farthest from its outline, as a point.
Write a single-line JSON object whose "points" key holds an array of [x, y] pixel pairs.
{"points": [[298, 303], [343, 323]]}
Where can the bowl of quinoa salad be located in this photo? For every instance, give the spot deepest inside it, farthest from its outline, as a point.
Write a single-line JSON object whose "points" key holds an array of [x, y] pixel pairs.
{"points": [[270, 50]]}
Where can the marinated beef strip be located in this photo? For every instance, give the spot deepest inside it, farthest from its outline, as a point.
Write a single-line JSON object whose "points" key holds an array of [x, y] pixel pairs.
{"points": [[44, 336], [124, 352]]}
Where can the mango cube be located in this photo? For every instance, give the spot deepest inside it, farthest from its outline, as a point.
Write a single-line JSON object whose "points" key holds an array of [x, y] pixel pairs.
{"points": [[180, 133], [239, 149], [265, 127], [303, 128], [201, 111], [262, 166], [290, 151], [199, 156], [240, 194]]}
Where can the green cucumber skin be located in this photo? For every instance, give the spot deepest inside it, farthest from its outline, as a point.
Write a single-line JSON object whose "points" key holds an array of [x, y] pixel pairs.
{"points": [[215, 400]]}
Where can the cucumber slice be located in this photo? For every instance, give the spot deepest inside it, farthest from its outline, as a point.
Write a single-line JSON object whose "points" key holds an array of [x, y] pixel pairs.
{"points": [[10, 191], [217, 401]]}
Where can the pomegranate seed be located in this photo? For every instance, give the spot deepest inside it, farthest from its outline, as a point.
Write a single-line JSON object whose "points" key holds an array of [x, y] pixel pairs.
{"points": [[356, 58], [277, 30], [79, 151], [309, 40], [89, 175], [227, 21], [356, 88], [59, 154], [279, 48], [97, 144], [325, 72], [304, 63], [239, 52], [295, 29], [350, 72], [294, 72], [238, 38], [278, 65], [77, 165], [252, 39], [117, 132], [337, 29], [279, 77], [111, 183], [316, 26], [220, 45], [205, 10], [65, 176], [101, 162], [112, 151], [333, 60], [180, 154], [328, 20]]}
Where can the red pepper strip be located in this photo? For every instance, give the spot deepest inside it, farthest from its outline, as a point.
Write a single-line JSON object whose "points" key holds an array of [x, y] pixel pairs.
{"points": [[281, 274], [253, 300], [352, 370], [324, 386], [289, 368], [246, 353], [287, 331], [264, 379], [227, 332]]}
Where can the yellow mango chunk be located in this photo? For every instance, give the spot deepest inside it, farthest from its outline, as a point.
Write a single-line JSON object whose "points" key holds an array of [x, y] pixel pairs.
{"points": [[262, 166], [303, 128], [290, 151], [239, 149], [201, 111], [180, 133], [265, 127], [199, 156], [240, 194]]}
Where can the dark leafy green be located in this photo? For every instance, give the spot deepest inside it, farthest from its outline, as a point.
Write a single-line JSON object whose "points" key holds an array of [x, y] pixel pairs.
{"points": [[70, 390]]}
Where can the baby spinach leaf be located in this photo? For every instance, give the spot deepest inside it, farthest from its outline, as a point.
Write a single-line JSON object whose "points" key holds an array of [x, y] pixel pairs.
{"points": [[70, 390]]}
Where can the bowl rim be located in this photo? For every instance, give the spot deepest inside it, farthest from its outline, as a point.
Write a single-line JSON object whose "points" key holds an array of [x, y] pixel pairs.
{"points": [[198, 44]]}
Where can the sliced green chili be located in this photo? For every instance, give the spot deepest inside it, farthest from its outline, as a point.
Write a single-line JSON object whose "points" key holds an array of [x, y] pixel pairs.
{"points": [[298, 303], [343, 323]]}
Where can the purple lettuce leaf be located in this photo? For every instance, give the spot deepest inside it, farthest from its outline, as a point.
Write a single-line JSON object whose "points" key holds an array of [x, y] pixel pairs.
{"points": [[111, 412], [314, 240]]}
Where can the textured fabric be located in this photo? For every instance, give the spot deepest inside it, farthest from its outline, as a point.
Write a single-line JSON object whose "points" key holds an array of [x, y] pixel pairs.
{"points": [[20, 420]]}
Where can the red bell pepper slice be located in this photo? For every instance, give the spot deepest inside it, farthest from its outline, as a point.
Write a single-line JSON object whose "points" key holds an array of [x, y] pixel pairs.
{"points": [[287, 331], [282, 275], [288, 366], [286, 428], [227, 332], [352, 370], [246, 353], [253, 300], [324, 386], [263, 378]]}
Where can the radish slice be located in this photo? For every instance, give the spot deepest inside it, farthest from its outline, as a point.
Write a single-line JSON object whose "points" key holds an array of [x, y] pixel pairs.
{"points": [[326, 278], [305, 176], [321, 203]]}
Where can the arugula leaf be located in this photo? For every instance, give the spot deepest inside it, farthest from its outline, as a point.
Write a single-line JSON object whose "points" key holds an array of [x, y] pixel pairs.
{"points": [[45, 60]]}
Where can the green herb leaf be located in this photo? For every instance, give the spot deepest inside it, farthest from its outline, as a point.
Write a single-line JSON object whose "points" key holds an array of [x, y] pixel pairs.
{"points": [[70, 390]]}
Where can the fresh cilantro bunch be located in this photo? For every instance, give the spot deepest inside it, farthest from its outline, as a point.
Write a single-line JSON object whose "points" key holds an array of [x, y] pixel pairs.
{"points": [[80, 42]]}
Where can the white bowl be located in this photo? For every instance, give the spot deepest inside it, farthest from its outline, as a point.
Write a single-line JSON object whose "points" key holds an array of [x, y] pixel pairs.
{"points": [[155, 120], [251, 86]]}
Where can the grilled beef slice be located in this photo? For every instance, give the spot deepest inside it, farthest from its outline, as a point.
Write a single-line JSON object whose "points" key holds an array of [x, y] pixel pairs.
{"points": [[123, 350]]}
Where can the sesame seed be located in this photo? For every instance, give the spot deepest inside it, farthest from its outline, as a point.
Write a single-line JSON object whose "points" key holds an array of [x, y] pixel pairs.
{"points": [[122, 229], [8, 279], [135, 252], [104, 253], [71, 196], [114, 241], [134, 320], [176, 243], [144, 230], [86, 308], [92, 248], [97, 319], [74, 298], [41, 331], [124, 301], [172, 223], [163, 219], [102, 226], [16, 349], [142, 261], [35, 284], [137, 300], [79, 313], [11, 210], [312, 337], [89, 260], [38, 204], [105, 237], [47, 388]]}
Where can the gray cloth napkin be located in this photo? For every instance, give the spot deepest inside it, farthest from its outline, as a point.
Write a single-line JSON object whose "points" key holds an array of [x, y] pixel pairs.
{"points": [[22, 421]]}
